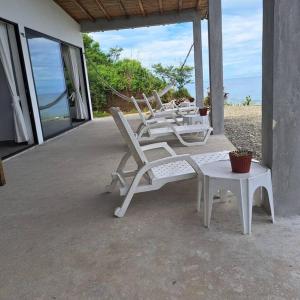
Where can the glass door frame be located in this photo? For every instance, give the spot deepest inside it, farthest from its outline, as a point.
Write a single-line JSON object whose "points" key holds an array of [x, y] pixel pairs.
{"points": [[84, 75], [26, 86]]}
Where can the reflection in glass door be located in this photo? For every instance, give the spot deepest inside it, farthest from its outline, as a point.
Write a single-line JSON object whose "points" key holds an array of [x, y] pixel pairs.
{"points": [[50, 83]]}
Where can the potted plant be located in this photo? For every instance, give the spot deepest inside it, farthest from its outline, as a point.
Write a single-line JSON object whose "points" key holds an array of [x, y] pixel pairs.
{"points": [[203, 111], [240, 160]]}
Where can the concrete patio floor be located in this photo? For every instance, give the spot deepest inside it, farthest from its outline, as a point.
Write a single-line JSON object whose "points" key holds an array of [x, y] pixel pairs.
{"points": [[59, 239]]}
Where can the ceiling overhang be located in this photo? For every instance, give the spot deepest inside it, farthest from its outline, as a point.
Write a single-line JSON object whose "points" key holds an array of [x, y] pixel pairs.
{"points": [[101, 15]]}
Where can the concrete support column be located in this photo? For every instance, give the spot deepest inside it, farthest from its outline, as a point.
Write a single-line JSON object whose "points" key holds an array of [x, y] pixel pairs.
{"points": [[281, 101], [198, 61], [216, 64]]}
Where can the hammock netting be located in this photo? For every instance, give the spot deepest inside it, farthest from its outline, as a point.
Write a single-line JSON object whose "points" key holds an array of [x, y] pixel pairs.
{"points": [[127, 98]]}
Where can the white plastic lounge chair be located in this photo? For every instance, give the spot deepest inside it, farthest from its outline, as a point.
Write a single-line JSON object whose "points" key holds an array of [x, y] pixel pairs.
{"points": [[169, 113], [156, 173], [157, 128], [154, 118], [171, 106]]}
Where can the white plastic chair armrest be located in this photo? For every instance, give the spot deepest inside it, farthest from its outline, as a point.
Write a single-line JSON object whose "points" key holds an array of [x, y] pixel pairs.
{"points": [[166, 160], [159, 145]]}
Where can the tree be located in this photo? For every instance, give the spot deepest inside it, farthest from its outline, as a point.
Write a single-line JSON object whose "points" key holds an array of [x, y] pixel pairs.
{"points": [[124, 75], [247, 101], [93, 52], [181, 75], [128, 75], [95, 57], [114, 53]]}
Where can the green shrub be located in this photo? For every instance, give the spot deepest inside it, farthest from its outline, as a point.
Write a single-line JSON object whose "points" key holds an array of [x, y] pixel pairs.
{"points": [[247, 101], [128, 75]]}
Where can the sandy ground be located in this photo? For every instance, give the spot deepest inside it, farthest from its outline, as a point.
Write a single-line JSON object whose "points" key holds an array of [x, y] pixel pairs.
{"points": [[243, 127]]}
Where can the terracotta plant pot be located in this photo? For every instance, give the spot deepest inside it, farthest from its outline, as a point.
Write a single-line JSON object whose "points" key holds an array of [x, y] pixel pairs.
{"points": [[240, 161], [203, 111]]}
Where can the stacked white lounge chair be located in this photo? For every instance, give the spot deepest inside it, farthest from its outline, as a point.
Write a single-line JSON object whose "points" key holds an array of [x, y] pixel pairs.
{"points": [[185, 107], [160, 127]]}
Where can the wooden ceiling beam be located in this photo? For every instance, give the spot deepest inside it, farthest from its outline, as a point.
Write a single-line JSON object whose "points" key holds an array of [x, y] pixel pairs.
{"points": [[117, 23], [198, 5], [179, 5], [83, 9], [102, 8], [161, 8], [123, 8], [142, 8], [67, 11]]}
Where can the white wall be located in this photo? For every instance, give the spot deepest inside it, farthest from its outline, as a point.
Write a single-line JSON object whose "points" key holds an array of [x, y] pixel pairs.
{"points": [[47, 17], [44, 16]]}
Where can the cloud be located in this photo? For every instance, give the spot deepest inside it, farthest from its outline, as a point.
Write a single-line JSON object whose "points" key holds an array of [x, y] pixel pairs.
{"points": [[242, 39], [167, 44]]}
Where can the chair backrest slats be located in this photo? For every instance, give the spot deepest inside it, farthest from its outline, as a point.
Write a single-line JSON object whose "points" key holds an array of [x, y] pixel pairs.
{"points": [[149, 105], [129, 136], [142, 117], [157, 99]]}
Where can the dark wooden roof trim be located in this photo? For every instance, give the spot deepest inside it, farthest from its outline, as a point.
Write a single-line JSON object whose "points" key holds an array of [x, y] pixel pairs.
{"points": [[179, 5], [161, 7], [124, 8], [102, 8], [82, 8], [142, 8]]}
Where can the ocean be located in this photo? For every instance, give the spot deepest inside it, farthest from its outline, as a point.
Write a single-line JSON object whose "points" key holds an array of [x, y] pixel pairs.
{"points": [[238, 89]]}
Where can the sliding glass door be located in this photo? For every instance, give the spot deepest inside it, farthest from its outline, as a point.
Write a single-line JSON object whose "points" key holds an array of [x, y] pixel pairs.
{"points": [[15, 123], [50, 83]]}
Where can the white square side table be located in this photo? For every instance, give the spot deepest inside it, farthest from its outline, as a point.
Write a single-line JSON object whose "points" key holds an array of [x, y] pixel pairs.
{"points": [[218, 176]]}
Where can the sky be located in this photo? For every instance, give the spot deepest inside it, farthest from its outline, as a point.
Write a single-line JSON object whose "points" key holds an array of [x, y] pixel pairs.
{"points": [[242, 44]]}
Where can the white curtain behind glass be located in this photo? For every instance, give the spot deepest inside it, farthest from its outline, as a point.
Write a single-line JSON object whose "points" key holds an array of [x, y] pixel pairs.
{"points": [[21, 134], [69, 55]]}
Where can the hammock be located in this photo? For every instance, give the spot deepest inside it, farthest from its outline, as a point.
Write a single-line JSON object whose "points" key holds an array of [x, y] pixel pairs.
{"points": [[126, 98]]}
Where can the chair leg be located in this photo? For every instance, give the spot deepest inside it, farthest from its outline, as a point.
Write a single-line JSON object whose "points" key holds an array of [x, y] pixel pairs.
{"points": [[250, 207], [200, 190], [223, 195], [120, 211], [245, 207], [208, 201], [205, 202], [208, 133], [109, 188], [187, 144], [269, 189]]}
